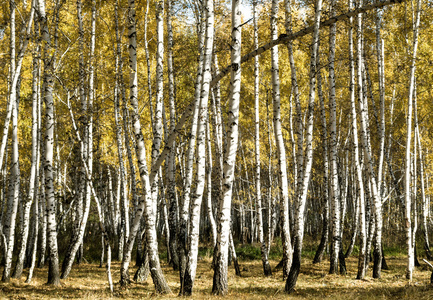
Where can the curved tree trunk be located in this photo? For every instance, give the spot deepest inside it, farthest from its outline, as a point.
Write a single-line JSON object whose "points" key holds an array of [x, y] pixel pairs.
{"points": [[87, 150], [325, 202], [195, 207], [146, 203], [281, 151], [302, 189], [184, 208], [220, 283]]}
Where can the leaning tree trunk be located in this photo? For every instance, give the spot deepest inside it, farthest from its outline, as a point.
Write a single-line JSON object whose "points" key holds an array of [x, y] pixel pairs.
{"points": [[87, 151], [184, 209], [34, 169], [171, 162], [220, 283], [145, 204], [325, 202], [281, 151], [11, 198], [355, 149], [12, 112], [302, 190], [195, 205]]}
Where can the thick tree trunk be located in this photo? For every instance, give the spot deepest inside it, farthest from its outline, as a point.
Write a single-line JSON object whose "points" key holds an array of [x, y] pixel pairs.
{"points": [[49, 54]]}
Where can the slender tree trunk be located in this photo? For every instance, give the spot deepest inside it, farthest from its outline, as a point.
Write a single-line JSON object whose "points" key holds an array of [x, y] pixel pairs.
{"points": [[146, 203], [220, 283], [281, 151], [209, 205], [195, 207], [263, 249], [11, 198], [302, 190], [34, 183], [355, 152], [407, 176], [171, 162], [425, 207], [335, 193], [49, 60], [325, 202], [88, 151], [184, 209]]}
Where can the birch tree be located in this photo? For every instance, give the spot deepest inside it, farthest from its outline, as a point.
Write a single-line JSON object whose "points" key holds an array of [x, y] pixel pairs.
{"points": [[186, 197], [407, 173], [335, 193], [87, 148], [191, 266], [146, 203], [49, 55], [13, 192], [171, 161], [302, 189], [281, 151], [220, 284], [355, 149], [260, 232]]}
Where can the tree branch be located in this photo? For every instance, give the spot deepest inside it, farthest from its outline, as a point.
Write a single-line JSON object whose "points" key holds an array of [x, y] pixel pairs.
{"points": [[285, 38]]}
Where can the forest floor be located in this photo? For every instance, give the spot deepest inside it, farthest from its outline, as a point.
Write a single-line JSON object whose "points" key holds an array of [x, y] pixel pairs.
{"points": [[88, 281]]}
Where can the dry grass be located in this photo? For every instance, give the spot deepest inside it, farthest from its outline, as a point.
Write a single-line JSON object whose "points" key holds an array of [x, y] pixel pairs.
{"points": [[87, 281]]}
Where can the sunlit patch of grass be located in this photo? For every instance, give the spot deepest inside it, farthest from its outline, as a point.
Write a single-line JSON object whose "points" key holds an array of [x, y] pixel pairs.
{"points": [[88, 281]]}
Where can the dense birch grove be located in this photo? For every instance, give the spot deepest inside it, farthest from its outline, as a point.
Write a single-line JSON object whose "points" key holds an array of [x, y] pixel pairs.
{"points": [[143, 132]]}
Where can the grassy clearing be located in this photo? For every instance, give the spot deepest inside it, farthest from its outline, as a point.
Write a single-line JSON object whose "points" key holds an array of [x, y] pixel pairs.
{"points": [[88, 281]]}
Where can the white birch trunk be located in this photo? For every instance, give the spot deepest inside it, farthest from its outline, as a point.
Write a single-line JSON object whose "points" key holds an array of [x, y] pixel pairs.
{"points": [[33, 182], [301, 196], [191, 266], [209, 205], [220, 283], [260, 232], [335, 193], [360, 183], [49, 58], [325, 194], [145, 203], [184, 208], [171, 162], [88, 152], [407, 175], [281, 151]]}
